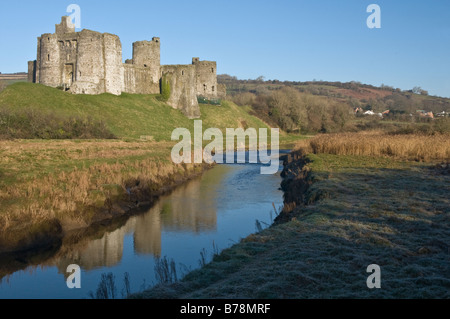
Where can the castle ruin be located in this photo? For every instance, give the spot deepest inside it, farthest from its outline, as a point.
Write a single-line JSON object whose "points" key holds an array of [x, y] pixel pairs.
{"points": [[89, 62]]}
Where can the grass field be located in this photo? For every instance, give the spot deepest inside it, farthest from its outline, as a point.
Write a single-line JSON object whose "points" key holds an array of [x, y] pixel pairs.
{"points": [[357, 210]]}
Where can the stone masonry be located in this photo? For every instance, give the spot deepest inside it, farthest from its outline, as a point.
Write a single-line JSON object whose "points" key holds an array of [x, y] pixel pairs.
{"points": [[89, 62]]}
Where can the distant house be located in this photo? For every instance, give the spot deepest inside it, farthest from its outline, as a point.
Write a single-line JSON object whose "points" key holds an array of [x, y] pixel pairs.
{"points": [[425, 114]]}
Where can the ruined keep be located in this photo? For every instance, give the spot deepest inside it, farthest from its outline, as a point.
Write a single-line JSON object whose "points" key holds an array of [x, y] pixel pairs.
{"points": [[89, 62]]}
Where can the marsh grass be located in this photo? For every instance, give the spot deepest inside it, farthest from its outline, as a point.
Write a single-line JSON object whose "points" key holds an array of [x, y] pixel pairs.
{"points": [[165, 271], [414, 147], [106, 288]]}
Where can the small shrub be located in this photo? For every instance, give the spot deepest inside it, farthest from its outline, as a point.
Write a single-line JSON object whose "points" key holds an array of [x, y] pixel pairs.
{"points": [[165, 89], [34, 124]]}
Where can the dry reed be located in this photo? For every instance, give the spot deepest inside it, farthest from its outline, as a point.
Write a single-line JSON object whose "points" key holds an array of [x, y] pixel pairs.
{"points": [[102, 172], [423, 148]]}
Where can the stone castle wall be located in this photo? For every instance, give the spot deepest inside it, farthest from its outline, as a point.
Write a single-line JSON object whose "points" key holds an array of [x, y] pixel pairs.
{"points": [[183, 93], [89, 62], [206, 73], [143, 73], [97, 66]]}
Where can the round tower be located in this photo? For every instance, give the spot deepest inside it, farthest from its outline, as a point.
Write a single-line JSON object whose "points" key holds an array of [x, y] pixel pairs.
{"points": [[49, 61]]}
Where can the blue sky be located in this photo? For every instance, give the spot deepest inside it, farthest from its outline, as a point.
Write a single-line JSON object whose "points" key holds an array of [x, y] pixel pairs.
{"points": [[296, 40]]}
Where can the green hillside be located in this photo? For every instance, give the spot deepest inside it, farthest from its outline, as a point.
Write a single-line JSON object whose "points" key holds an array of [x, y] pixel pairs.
{"points": [[127, 116]]}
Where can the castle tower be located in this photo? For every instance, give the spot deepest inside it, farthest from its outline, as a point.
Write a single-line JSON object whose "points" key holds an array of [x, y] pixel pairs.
{"points": [[147, 53], [49, 60], [55, 57], [206, 78], [144, 72]]}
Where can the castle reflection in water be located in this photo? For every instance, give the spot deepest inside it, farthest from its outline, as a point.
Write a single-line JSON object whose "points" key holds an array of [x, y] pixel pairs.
{"points": [[189, 208]]}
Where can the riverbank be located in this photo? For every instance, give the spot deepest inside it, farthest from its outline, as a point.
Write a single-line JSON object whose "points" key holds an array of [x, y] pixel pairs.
{"points": [[342, 214], [49, 188]]}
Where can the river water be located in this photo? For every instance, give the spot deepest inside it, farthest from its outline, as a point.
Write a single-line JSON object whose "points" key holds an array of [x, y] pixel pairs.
{"points": [[215, 210]]}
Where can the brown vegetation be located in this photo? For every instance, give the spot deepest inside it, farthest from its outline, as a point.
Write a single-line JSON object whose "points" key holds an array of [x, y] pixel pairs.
{"points": [[294, 111], [413, 147], [79, 183]]}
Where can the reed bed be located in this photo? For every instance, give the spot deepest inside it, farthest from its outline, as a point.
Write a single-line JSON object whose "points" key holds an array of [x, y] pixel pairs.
{"points": [[413, 147], [65, 180]]}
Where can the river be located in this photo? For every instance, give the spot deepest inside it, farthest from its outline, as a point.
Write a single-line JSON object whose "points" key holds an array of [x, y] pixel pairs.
{"points": [[211, 212]]}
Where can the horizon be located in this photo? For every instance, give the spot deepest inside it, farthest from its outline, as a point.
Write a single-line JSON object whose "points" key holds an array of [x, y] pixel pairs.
{"points": [[250, 39]]}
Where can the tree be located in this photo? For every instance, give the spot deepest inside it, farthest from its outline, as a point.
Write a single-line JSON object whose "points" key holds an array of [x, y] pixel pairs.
{"points": [[341, 114], [165, 89], [416, 90]]}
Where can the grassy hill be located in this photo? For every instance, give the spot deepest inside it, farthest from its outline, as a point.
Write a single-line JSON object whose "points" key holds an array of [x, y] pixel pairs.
{"points": [[127, 116]]}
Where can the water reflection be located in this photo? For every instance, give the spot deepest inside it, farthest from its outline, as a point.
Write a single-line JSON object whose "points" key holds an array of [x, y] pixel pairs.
{"points": [[220, 207], [190, 208]]}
